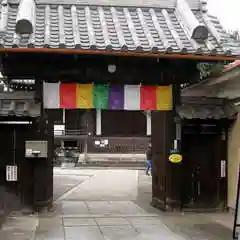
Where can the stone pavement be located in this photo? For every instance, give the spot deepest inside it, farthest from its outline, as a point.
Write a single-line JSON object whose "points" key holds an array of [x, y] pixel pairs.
{"points": [[107, 205]]}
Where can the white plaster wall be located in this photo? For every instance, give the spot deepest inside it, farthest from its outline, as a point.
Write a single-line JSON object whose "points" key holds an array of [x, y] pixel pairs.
{"points": [[233, 162]]}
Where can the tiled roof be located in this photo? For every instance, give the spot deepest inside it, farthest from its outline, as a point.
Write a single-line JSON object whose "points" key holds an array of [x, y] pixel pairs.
{"points": [[142, 29], [193, 4], [20, 104], [205, 112], [205, 108]]}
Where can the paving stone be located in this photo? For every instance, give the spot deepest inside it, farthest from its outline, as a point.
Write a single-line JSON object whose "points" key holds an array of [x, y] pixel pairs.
{"points": [[107, 185], [83, 233], [62, 186], [48, 223], [121, 219], [17, 234], [72, 208], [114, 208], [145, 221], [111, 221], [119, 232], [56, 233], [70, 222], [28, 223]]}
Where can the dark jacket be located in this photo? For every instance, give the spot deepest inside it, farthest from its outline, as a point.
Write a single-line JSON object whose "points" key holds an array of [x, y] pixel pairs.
{"points": [[149, 154]]}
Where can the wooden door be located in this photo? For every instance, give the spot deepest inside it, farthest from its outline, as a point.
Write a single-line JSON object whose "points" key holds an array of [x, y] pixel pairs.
{"points": [[202, 157], [12, 146]]}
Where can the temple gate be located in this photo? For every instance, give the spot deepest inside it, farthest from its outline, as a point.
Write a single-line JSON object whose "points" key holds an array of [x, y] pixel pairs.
{"points": [[109, 43]]}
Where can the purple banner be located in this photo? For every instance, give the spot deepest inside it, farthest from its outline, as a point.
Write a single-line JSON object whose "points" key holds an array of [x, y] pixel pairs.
{"points": [[116, 97]]}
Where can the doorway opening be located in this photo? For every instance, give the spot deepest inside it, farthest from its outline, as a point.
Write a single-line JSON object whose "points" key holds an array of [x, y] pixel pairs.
{"points": [[203, 149]]}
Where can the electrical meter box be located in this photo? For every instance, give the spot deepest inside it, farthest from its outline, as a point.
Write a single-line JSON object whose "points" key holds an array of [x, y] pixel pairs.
{"points": [[36, 149]]}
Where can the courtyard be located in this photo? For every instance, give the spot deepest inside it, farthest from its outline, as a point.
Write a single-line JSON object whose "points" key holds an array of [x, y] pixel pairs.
{"points": [[106, 204]]}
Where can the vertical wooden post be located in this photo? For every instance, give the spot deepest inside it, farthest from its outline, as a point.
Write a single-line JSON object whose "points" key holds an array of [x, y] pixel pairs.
{"points": [[174, 170], [166, 175], [43, 168], [26, 167]]}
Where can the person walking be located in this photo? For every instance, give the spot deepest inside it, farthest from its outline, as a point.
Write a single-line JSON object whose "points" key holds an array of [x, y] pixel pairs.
{"points": [[149, 159]]}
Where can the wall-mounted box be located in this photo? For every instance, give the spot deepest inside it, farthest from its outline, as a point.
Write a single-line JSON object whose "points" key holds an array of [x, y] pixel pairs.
{"points": [[36, 149]]}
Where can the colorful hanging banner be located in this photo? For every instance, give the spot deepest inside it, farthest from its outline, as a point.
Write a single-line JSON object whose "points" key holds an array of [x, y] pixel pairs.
{"points": [[84, 96], [100, 96], [148, 97], [131, 97], [68, 95], [116, 97], [164, 98], [51, 95]]}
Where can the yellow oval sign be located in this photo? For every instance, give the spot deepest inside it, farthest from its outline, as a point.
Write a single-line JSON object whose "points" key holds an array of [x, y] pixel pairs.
{"points": [[175, 158]]}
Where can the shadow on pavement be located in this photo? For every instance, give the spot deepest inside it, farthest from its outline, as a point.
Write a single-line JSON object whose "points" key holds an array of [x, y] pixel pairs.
{"points": [[215, 229], [63, 184], [192, 226]]}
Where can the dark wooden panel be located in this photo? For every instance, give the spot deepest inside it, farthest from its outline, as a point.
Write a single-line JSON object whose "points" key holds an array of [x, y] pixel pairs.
{"points": [[23, 188], [89, 121], [43, 186], [159, 148], [203, 149], [73, 119], [123, 123], [166, 175], [80, 120], [87, 68], [57, 115], [6, 148]]}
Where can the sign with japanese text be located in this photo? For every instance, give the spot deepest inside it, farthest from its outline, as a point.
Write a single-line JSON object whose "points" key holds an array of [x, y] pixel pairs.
{"points": [[11, 173]]}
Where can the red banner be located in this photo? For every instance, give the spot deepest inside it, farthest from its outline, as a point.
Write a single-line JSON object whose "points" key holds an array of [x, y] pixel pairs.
{"points": [[148, 98], [68, 95]]}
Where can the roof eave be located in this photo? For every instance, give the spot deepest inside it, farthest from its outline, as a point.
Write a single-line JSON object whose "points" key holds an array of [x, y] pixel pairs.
{"points": [[123, 53]]}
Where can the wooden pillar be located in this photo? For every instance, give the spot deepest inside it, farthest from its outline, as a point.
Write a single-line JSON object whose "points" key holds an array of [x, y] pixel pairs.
{"points": [[166, 185], [26, 167], [43, 168]]}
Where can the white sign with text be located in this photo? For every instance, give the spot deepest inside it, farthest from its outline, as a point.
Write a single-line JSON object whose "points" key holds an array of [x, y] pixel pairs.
{"points": [[11, 173]]}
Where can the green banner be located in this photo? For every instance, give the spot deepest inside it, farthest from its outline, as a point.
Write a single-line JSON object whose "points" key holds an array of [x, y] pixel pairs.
{"points": [[100, 96]]}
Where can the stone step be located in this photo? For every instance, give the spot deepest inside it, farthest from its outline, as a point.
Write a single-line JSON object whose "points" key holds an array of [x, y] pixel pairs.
{"points": [[111, 164]]}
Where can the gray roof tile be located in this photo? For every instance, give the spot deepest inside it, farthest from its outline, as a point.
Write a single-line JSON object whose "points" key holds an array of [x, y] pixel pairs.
{"points": [[111, 28], [194, 4], [205, 112], [18, 104]]}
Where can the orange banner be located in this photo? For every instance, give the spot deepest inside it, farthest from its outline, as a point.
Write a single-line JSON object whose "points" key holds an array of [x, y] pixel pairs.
{"points": [[164, 98]]}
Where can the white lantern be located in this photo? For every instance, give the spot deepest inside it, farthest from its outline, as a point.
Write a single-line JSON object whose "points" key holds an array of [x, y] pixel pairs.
{"points": [[112, 68]]}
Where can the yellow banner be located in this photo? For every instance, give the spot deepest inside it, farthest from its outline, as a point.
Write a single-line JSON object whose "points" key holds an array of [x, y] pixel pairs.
{"points": [[164, 98], [84, 97]]}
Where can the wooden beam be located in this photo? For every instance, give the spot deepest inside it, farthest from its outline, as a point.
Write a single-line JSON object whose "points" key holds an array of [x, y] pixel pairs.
{"points": [[121, 53], [87, 68]]}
